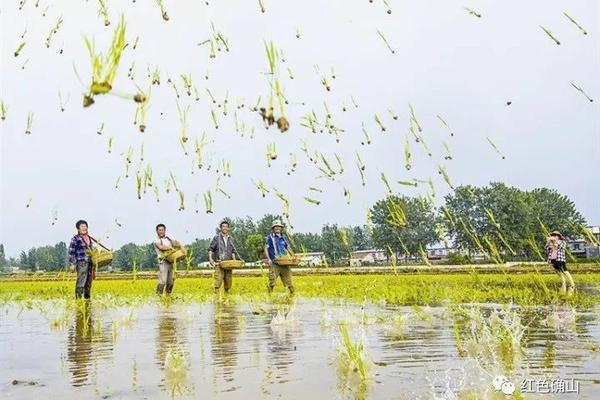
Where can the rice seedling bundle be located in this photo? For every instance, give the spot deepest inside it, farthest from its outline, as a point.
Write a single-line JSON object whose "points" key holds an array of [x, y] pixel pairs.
{"points": [[100, 258]]}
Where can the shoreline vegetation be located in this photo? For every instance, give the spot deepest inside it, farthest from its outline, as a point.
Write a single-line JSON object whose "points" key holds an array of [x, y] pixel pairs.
{"points": [[434, 288]]}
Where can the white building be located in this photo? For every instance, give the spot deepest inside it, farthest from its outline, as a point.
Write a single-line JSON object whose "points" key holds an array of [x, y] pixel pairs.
{"points": [[313, 259], [372, 256]]}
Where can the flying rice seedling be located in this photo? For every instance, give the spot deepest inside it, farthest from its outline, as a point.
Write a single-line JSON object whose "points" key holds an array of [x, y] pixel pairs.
{"points": [[575, 23], [104, 69], [208, 203], [261, 4], [379, 123], [3, 110], [472, 12], [18, 49], [163, 11], [580, 90], [496, 149], [550, 35], [387, 44], [29, 123], [53, 31], [386, 183], [445, 124], [103, 12], [62, 103]]}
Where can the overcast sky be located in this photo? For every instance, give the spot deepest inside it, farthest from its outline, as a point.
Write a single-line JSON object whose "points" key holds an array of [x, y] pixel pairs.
{"points": [[446, 62]]}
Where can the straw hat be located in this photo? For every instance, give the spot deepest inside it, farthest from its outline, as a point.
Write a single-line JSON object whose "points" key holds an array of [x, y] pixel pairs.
{"points": [[277, 223], [557, 233]]}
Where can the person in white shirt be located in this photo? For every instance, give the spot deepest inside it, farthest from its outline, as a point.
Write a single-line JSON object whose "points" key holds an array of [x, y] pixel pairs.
{"points": [[166, 281]]}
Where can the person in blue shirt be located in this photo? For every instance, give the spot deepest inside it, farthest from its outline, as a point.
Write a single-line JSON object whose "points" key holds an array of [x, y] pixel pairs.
{"points": [[277, 244]]}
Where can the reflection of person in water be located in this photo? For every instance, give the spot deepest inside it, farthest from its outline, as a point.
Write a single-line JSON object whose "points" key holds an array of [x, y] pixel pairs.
{"points": [[224, 339], [79, 345], [84, 344], [281, 348], [166, 335]]}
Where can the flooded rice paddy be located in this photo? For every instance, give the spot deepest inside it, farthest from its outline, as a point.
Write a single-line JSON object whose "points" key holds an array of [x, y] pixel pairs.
{"points": [[295, 350]]}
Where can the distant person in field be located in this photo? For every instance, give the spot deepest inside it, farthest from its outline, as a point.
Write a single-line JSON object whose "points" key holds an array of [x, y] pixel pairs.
{"points": [[79, 259], [166, 279], [555, 246], [222, 247], [277, 245]]}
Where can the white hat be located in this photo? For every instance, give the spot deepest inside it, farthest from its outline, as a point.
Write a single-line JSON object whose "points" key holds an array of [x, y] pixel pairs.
{"points": [[276, 223]]}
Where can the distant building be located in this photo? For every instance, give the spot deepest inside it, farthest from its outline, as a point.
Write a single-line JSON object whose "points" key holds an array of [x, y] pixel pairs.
{"points": [[314, 259], [440, 253], [580, 246], [372, 256]]}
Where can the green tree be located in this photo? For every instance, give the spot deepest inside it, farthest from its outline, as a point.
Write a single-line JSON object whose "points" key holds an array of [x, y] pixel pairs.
{"points": [[404, 224], [241, 229], [361, 238], [333, 245], [3, 261], [255, 245], [124, 257]]}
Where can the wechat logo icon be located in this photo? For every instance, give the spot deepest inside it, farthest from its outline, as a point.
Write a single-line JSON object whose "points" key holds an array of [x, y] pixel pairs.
{"points": [[502, 384]]}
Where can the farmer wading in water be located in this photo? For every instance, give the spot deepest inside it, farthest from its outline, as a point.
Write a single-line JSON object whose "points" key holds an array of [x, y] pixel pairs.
{"points": [[222, 247], [555, 245], [79, 259], [166, 279], [276, 244]]}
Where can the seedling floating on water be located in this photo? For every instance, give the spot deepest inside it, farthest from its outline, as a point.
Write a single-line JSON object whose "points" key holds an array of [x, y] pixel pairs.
{"points": [[386, 42]]}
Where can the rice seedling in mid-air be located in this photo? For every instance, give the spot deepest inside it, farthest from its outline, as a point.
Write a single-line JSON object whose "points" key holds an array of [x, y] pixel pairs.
{"points": [[19, 48], [580, 90], [550, 35], [163, 11], [387, 44], [3, 110], [104, 68], [103, 12], [29, 123], [575, 23], [472, 12], [496, 149], [53, 31]]}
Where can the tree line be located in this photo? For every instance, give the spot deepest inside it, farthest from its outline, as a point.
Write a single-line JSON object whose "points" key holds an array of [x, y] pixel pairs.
{"points": [[497, 222]]}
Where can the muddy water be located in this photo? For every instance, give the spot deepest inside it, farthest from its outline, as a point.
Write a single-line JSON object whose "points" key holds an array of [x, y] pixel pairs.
{"points": [[248, 351]]}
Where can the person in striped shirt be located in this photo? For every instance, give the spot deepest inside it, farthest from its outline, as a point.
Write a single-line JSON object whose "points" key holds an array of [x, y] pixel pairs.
{"points": [[555, 246]]}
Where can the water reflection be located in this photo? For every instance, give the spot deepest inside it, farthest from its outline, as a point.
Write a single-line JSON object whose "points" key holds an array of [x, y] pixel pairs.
{"points": [[86, 342], [224, 336], [170, 355], [281, 347]]}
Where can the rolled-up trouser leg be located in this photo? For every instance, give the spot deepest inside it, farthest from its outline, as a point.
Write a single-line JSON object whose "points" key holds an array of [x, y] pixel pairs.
{"points": [[83, 274], [170, 279], [286, 277], [227, 278], [163, 276], [273, 274], [219, 277]]}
